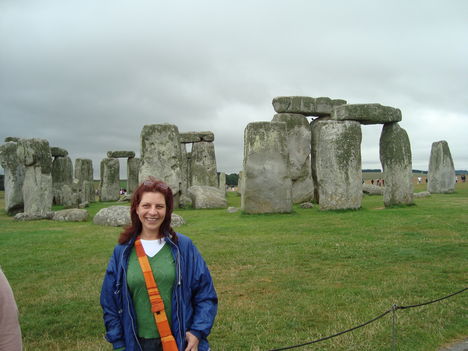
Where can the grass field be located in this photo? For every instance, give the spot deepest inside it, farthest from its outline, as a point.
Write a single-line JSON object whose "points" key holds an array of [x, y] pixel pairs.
{"points": [[281, 279]]}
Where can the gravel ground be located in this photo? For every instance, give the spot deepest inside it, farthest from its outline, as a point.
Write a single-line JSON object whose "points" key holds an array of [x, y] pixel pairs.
{"points": [[458, 346]]}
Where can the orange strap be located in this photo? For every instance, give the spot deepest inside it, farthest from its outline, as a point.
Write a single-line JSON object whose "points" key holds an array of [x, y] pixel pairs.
{"points": [[157, 305]]}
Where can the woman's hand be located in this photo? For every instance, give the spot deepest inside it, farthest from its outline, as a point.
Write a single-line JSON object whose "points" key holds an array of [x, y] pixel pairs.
{"points": [[192, 342]]}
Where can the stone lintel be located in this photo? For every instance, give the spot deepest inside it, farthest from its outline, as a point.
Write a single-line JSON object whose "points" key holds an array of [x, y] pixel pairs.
{"points": [[58, 152], [196, 137], [366, 113], [120, 154], [306, 105]]}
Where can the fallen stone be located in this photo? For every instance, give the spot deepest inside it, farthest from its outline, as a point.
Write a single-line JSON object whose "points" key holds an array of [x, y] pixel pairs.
{"points": [[305, 105], [232, 209], [185, 201], [176, 220], [114, 216], [71, 215], [58, 152], [366, 113], [207, 197], [83, 205], [22, 216], [196, 137], [371, 189], [307, 205], [120, 154], [422, 194]]}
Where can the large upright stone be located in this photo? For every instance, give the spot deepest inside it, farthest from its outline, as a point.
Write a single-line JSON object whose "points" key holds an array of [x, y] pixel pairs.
{"points": [[37, 187], [266, 184], [184, 169], [441, 174], [298, 140], [110, 181], [62, 174], [133, 167], [306, 105], [222, 181], [336, 147], [395, 156], [203, 164], [14, 178], [366, 113], [161, 156], [85, 180]]}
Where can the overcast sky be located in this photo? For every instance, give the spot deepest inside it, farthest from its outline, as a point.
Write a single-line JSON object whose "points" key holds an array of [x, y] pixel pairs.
{"points": [[87, 75]]}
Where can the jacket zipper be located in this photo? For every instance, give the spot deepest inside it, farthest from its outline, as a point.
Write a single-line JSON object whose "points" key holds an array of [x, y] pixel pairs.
{"points": [[179, 282]]}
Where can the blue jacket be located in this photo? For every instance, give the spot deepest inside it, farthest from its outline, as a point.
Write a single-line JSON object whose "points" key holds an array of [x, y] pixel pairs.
{"points": [[194, 300]]}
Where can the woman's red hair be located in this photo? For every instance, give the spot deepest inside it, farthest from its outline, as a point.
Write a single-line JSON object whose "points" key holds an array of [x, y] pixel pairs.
{"points": [[152, 185]]}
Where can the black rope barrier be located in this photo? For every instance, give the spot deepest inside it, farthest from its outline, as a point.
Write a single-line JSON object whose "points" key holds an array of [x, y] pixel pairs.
{"points": [[393, 309]]}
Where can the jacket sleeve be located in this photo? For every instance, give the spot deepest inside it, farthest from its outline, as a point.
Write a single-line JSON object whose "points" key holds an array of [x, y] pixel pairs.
{"points": [[112, 305], [204, 298]]}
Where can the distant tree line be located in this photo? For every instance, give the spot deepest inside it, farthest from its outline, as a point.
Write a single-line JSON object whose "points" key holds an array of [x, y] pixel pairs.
{"points": [[232, 179]]}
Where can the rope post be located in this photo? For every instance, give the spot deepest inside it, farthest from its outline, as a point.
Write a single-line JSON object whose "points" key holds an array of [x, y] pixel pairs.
{"points": [[394, 331]]}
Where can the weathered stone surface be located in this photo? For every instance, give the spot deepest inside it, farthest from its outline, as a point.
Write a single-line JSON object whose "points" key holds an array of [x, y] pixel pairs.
{"points": [[23, 216], [231, 209], [185, 200], [133, 168], [366, 113], [11, 139], [395, 156], [114, 216], [84, 173], [441, 174], [305, 105], [14, 178], [58, 152], [203, 164], [421, 194], [336, 158], [371, 189], [62, 174], [176, 220], [110, 181], [298, 140], [37, 185], [266, 184], [161, 157], [207, 197], [195, 137], [71, 215], [240, 181], [184, 171], [120, 154]]}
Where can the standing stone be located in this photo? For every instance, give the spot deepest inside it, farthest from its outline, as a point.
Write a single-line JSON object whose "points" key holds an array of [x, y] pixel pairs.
{"points": [[203, 164], [266, 184], [299, 143], [37, 187], [336, 146], [133, 167], [184, 168], [395, 156], [240, 182], [110, 181], [441, 175], [85, 178], [14, 178], [222, 181], [161, 156], [62, 174]]}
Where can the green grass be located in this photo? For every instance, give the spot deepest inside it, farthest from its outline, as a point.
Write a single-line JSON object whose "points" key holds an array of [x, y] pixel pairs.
{"points": [[281, 279]]}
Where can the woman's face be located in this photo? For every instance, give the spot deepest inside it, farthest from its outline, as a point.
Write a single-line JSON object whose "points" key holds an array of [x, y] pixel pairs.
{"points": [[151, 210]]}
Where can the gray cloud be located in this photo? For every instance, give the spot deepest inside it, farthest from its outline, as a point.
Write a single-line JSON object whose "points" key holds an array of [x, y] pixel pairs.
{"points": [[89, 75]]}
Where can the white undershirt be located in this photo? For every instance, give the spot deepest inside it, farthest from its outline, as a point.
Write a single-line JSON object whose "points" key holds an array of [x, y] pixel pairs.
{"points": [[152, 247]]}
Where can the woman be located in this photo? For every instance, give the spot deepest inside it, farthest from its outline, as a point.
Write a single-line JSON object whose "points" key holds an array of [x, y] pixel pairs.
{"points": [[132, 320]]}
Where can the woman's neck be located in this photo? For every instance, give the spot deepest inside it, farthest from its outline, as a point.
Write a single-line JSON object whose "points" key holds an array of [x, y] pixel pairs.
{"points": [[150, 236]]}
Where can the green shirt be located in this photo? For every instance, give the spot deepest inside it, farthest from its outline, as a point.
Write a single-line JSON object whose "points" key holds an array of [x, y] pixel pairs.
{"points": [[163, 267]]}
